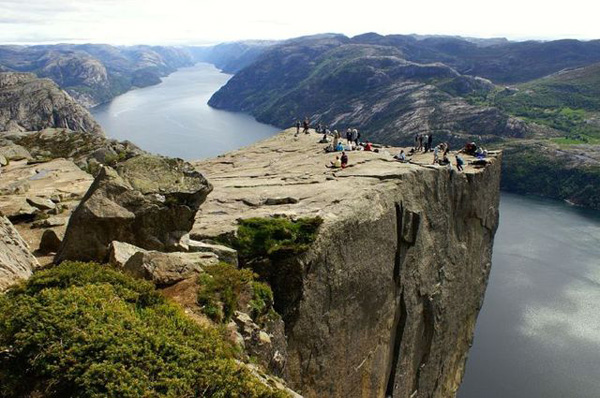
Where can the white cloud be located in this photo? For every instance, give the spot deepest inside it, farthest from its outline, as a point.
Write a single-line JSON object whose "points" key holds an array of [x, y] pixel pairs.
{"points": [[178, 21]]}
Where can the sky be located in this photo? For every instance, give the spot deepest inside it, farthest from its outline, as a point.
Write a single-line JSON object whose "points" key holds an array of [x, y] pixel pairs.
{"points": [[205, 22]]}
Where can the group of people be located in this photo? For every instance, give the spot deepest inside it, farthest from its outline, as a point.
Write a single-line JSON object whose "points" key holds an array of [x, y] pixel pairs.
{"points": [[423, 142], [349, 140]]}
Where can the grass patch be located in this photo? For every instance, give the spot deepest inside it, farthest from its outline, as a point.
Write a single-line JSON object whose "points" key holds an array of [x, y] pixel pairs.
{"points": [[85, 330], [275, 237]]}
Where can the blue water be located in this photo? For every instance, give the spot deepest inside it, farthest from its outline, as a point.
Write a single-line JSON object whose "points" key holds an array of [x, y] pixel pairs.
{"points": [[538, 334], [173, 118]]}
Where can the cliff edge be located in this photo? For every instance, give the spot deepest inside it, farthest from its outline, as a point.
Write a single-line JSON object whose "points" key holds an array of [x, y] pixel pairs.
{"points": [[384, 302]]}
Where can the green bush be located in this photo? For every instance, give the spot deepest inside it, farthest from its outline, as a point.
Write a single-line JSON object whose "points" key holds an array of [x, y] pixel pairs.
{"points": [[83, 330], [262, 300], [222, 287], [275, 237]]}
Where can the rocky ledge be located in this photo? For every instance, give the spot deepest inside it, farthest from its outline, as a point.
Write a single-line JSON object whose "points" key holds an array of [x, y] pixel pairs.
{"points": [[385, 300]]}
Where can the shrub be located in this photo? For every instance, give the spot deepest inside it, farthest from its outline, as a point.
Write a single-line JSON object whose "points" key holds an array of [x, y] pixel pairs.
{"points": [[83, 330], [221, 290]]}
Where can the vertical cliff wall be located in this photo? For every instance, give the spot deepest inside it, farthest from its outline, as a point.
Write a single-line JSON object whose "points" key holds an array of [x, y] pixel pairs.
{"points": [[387, 296]]}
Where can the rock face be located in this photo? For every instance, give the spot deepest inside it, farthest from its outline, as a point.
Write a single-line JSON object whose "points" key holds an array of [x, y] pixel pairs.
{"points": [[28, 103], [148, 201], [16, 261], [389, 292]]}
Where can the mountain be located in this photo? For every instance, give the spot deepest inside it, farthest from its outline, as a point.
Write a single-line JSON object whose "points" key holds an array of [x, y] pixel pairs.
{"points": [[338, 82], [502, 62], [231, 57], [95, 73], [28, 103]]}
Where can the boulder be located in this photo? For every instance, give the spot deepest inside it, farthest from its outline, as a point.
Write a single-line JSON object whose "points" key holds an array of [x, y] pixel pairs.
{"points": [[167, 268], [50, 242], [16, 261], [224, 253], [148, 201], [41, 203], [49, 222], [119, 253], [3, 160], [15, 152]]}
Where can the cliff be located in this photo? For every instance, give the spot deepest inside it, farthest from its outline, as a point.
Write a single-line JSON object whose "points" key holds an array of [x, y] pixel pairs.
{"points": [[385, 300], [28, 103]]}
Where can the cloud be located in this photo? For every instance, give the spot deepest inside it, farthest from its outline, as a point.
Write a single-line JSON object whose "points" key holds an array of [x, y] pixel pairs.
{"points": [[159, 21]]}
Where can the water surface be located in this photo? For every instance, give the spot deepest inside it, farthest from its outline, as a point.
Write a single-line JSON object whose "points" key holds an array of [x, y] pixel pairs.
{"points": [[173, 118], [538, 333]]}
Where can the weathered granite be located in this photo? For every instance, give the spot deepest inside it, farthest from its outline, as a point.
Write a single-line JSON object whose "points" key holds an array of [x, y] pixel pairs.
{"points": [[16, 261], [391, 288], [29, 103], [148, 201]]}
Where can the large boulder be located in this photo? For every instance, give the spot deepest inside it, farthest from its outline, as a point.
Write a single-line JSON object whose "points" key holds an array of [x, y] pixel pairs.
{"points": [[16, 261], [148, 201]]}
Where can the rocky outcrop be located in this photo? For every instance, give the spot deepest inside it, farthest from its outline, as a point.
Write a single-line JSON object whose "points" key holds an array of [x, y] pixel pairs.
{"points": [[166, 269], [16, 261], [88, 151], [28, 103], [148, 201], [387, 296]]}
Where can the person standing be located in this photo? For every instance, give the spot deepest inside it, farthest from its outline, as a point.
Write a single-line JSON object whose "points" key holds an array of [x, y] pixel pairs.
{"points": [[420, 142], [429, 141], [459, 162], [306, 125], [297, 127]]}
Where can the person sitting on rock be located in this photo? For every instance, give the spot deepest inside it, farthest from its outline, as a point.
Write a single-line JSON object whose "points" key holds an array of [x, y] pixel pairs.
{"points": [[445, 161], [344, 160], [401, 157], [459, 162], [335, 164], [368, 146], [324, 140], [339, 147]]}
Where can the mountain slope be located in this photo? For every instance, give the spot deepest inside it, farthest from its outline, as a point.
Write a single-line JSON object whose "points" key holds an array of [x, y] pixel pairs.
{"points": [[95, 73], [28, 103], [340, 83]]}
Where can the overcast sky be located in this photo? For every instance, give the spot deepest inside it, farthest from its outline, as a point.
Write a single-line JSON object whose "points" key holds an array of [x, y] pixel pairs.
{"points": [[201, 21]]}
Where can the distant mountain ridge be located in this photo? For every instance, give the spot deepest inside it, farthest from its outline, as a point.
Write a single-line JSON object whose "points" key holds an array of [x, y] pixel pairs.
{"points": [[95, 73]]}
